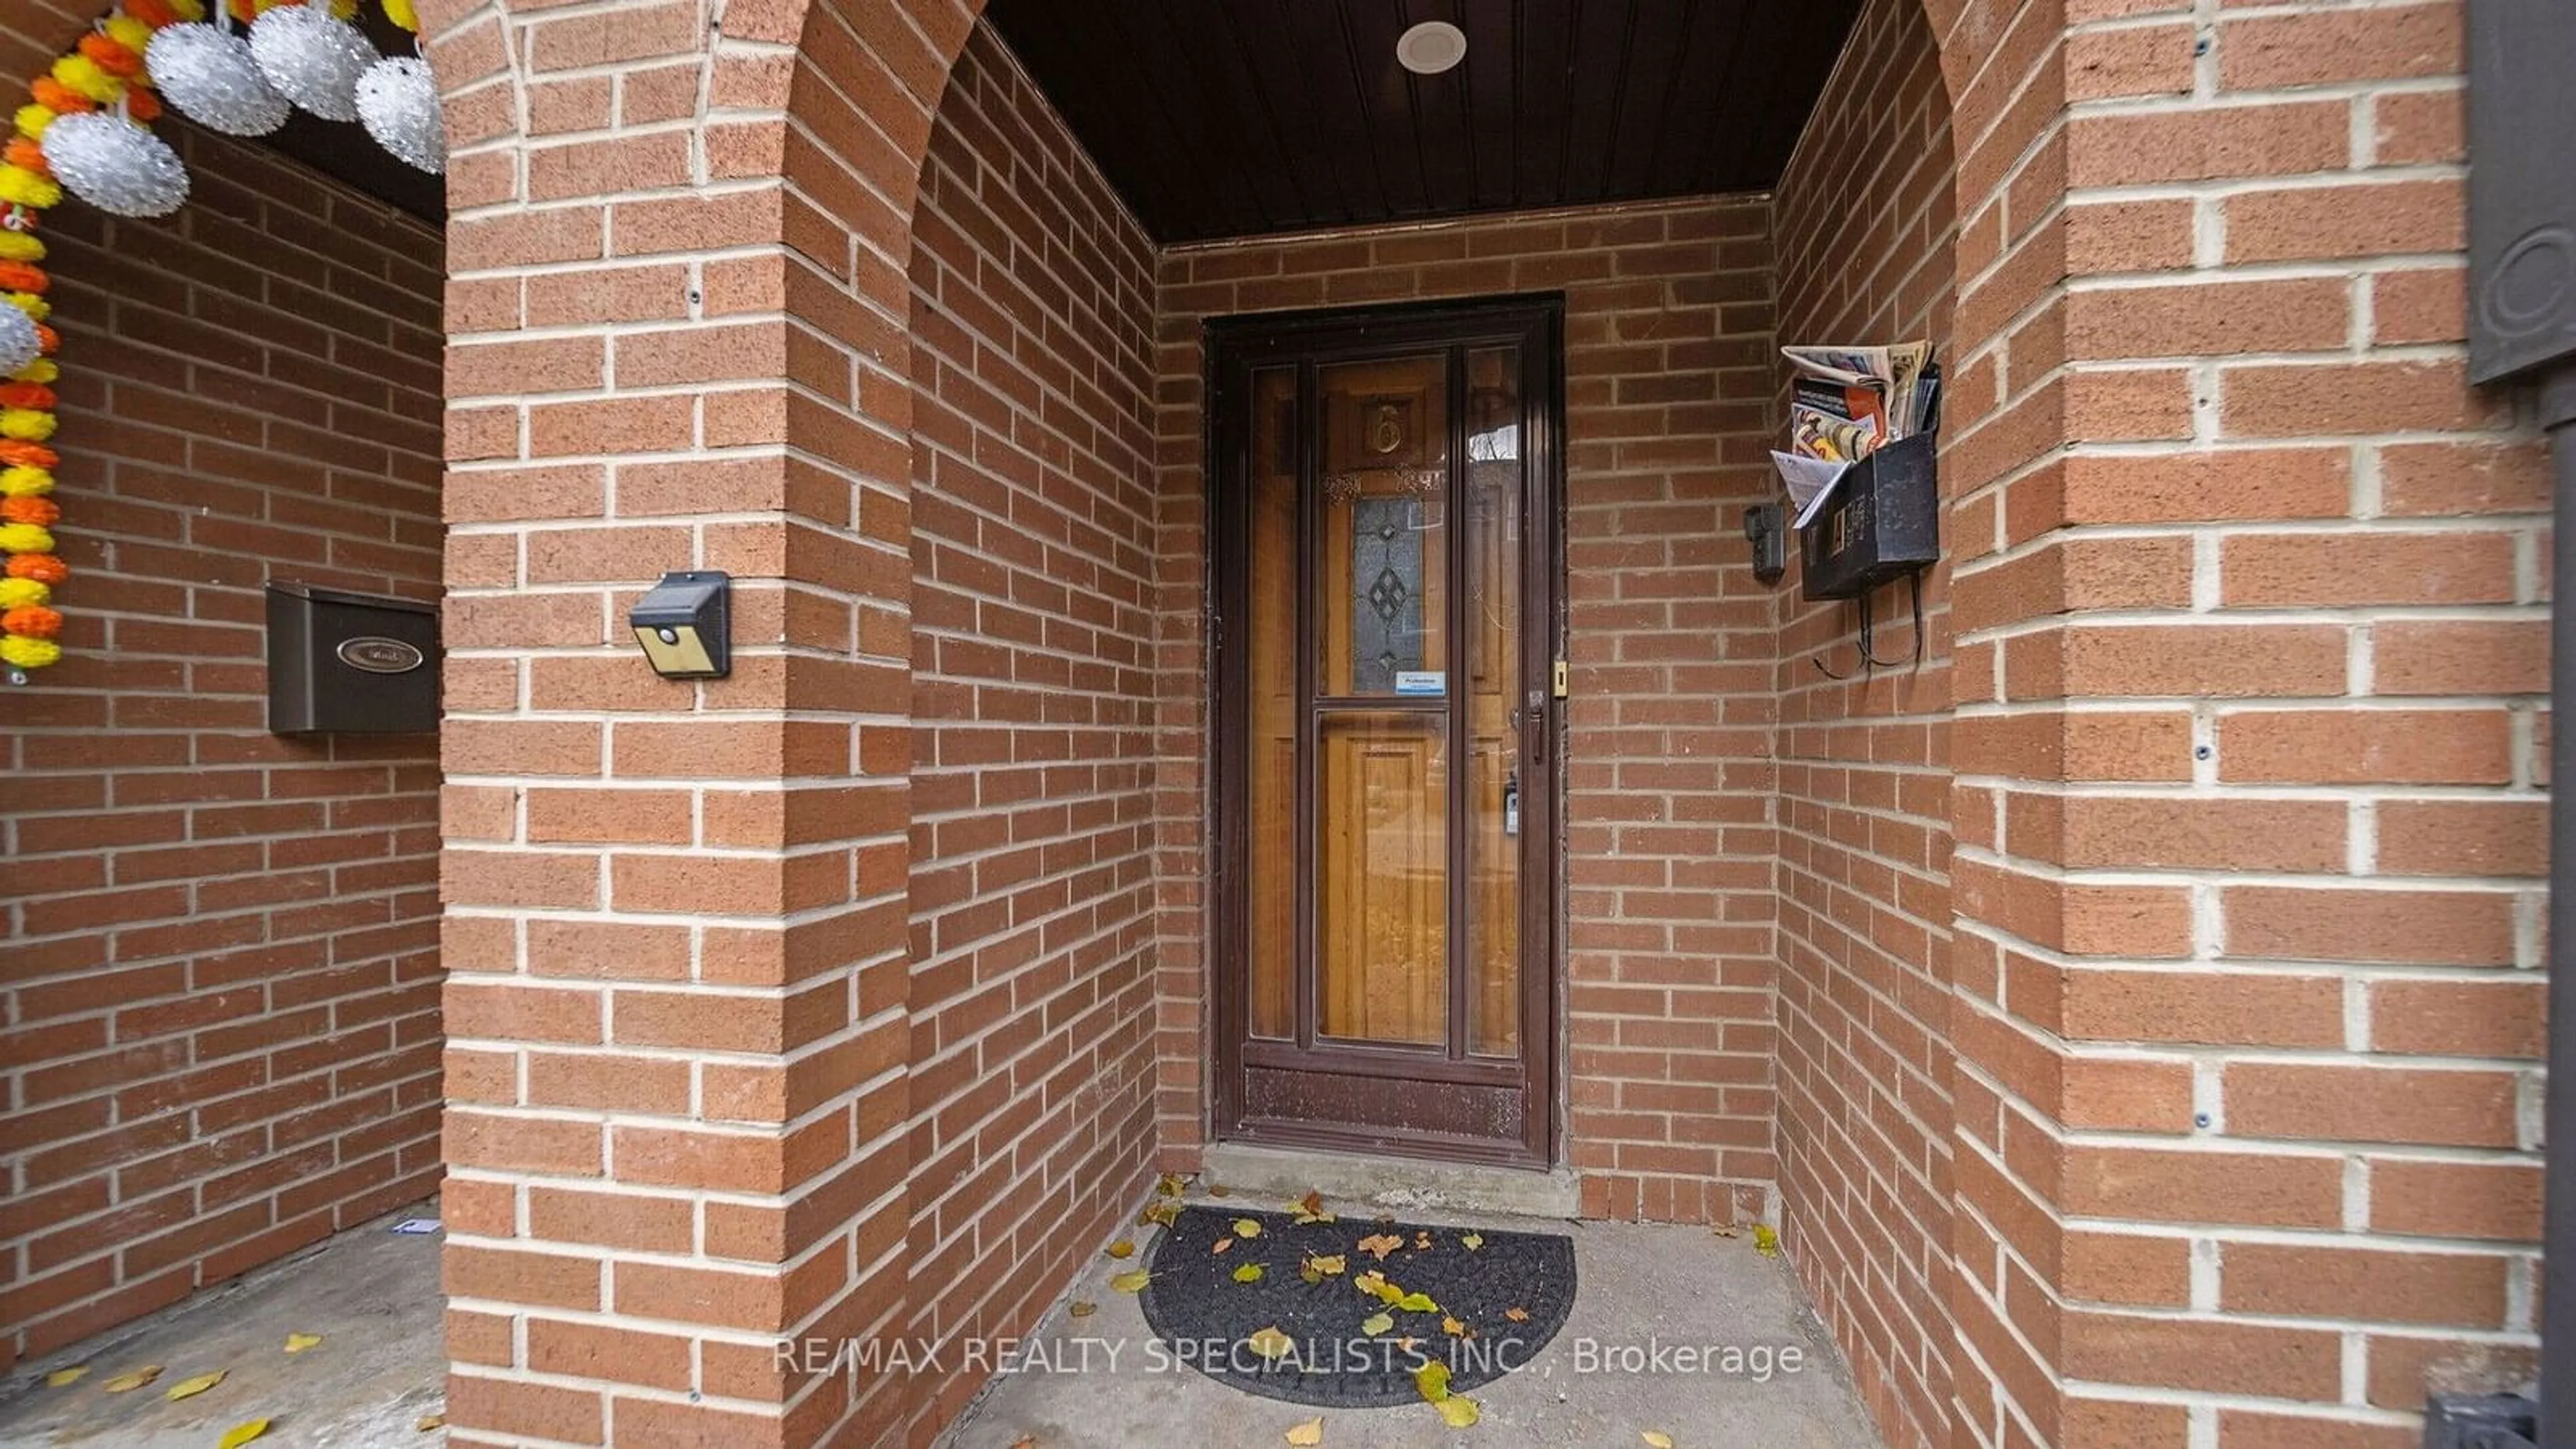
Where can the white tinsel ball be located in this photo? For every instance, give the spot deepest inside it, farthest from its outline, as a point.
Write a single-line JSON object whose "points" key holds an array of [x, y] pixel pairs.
{"points": [[312, 58], [115, 165], [210, 76], [398, 100], [19, 344]]}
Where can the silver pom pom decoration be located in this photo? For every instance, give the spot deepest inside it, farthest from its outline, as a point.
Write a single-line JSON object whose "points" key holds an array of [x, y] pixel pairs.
{"points": [[19, 344], [312, 58], [398, 99], [114, 164], [209, 75]]}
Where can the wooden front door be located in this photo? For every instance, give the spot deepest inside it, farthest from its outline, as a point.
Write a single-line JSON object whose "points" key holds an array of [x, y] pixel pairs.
{"points": [[1385, 522]]}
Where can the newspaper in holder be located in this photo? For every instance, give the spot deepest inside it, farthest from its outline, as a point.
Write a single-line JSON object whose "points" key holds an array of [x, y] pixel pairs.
{"points": [[1845, 403]]}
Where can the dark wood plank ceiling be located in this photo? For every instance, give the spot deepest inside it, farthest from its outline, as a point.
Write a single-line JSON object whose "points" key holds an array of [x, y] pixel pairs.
{"points": [[1219, 118]]}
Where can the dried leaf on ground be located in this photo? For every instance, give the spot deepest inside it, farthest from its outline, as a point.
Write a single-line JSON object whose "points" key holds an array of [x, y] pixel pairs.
{"points": [[1083, 1308], [1725, 1230], [1218, 1189], [1312, 1204], [66, 1377], [1657, 1439], [126, 1383], [1122, 1249], [1766, 1240], [1432, 1381], [1328, 1266], [1453, 1328], [241, 1434], [1162, 1215], [1417, 1303], [190, 1388], [1170, 1186], [1387, 1293], [1246, 1228], [1517, 1315], [1370, 1281], [1422, 1240], [298, 1342], [1222, 1244], [1307, 1434], [1473, 1241], [1270, 1343], [1248, 1273], [1377, 1323], [1378, 1245], [430, 1423], [1459, 1413], [1132, 1282]]}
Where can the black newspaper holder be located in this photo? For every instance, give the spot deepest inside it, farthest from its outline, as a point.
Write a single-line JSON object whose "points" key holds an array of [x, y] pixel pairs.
{"points": [[1882, 523], [343, 663]]}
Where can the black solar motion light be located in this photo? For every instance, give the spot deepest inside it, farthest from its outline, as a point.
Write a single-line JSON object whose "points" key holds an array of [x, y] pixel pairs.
{"points": [[686, 625]]}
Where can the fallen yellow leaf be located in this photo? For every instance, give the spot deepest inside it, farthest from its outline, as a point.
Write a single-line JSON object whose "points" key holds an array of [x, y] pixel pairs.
{"points": [[1387, 1293], [65, 1377], [1459, 1413], [1377, 1323], [1083, 1308], [1306, 1434], [1162, 1214], [1452, 1327], [1248, 1273], [1378, 1245], [1132, 1282], [298, 1342], [1473, 1241], [126, 1383], [1369, 1281], [429, 1422], [1432, 1381], [190, 1388], [1417, 1303], [241, 1434], [1327, 1266], [1657, 1439], [1246, 1228], [1517, 1315], [1170, 1186], [1766, 1240], [1122, 1249], [1270, 1343]]}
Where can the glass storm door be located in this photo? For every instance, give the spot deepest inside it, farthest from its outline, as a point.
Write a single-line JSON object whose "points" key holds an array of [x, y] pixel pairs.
{"points": [[1385, 515]]}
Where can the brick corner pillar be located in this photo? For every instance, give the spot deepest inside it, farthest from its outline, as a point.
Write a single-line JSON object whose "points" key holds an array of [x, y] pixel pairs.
{"points": [[2250, 793], [675, 911]]}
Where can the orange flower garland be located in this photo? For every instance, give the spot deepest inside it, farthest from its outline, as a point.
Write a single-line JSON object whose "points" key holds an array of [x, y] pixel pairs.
{"points": [[104, 69]]}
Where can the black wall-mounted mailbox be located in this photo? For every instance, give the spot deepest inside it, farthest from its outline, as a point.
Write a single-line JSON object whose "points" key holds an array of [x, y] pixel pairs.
{"points": [[342, 663], [1882, 523]]}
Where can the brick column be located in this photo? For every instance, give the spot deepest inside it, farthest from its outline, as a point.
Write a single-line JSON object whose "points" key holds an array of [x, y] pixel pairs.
{"points": [[675, 911], [2248, 811]]}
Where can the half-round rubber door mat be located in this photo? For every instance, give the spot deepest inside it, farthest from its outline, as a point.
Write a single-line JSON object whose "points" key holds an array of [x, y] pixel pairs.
{"points": [[1509, 1294]]}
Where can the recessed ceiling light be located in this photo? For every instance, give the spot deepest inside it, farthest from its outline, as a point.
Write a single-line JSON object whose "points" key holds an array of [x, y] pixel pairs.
{"points": [[1431, 47]]}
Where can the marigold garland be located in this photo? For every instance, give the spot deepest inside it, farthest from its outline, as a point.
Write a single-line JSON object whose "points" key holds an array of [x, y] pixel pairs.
{"points": [[104, 69]]}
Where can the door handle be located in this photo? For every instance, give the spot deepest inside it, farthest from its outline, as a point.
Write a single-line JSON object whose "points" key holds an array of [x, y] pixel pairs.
{"points": [[1535, 721]]}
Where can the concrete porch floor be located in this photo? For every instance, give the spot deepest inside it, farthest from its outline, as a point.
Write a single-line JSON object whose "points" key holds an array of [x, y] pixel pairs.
{"points": [[371, 1293], [1637, 1285]]}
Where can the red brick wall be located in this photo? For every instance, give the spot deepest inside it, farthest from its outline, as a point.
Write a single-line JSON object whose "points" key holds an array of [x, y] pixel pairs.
{"points": [[2253, 814], [1034, 598], [1864, 234], [221, 982], [1668, 958]]}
